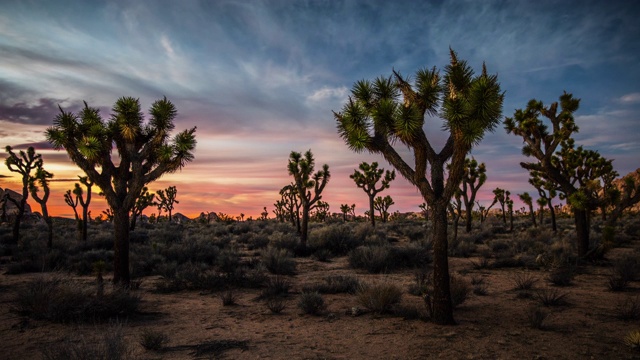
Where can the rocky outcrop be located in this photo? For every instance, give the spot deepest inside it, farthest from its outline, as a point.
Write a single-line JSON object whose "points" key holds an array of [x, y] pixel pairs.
{"points": [[10, 207]]}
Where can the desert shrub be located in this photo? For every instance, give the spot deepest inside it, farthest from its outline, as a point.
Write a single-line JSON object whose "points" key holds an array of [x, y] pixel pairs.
{"points": [[523, 281], [336, 284], [229, 298], [278, 261], [507, 261], [461, 248], [276, 305], [362, 230], [258, 241], [420, 283], [194, 276], [460, 291], [81, 263], [379, 297], [336, 238], [627, 267], [112, 345], [191, 250], [499, 245], [562, 276], [633, 339], [323, 255], [414, 233], [228, 260], [551, 297], [153, 339], [536, 316], [311, 303], [276, 286], [144, 262], [288, 241], [58, 298], [481, 264], [628, 309], [416, 255], [373, 259]]}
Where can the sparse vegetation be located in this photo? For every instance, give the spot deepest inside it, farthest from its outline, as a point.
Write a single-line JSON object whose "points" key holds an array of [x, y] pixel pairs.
{"points": [[311, 303], [379, 297], [154, 340]]}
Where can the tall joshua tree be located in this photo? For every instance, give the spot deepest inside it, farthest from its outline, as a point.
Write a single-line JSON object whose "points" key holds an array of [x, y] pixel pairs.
{"points": [[145, 152], [367, 178], [474, 177], [41, 180], [301, 168], [73, 203], [390, 110], [526, 198], [166, 199], [22, 164], [573, 170]]}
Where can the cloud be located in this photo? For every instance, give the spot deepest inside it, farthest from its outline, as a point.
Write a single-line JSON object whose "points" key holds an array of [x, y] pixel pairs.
{"points": [[632, 98], [326, 93], [42, 112]]}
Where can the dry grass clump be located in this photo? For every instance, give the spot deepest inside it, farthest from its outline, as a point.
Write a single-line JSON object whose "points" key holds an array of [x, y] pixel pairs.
{"points": [[112, 345], [311, 303], [552, 297], [536, 316], [154, 340], [633, 339], [628, 309], [279, 261], [379, 297]]}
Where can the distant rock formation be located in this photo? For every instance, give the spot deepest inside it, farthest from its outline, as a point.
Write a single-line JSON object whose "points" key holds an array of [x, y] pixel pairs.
{"points": [[179, 218], [207, 217], [10, 208]]}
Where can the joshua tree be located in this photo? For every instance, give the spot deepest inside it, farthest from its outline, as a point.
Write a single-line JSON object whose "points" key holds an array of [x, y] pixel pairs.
{"points": [[547, 191], [474, 177], [22, 164], [279, 210], [425, 210], [73, 203], [145, 200], [367, 178], [391, 111], [301, 168], [627, 196], [166, 199], [291, 203], [542, 202], [84, 202], [41, 180], [264, 215], [344, 208], [527, 200], [573, 170], [455, 208], [145, 153], [502, 196], [382, 204], [321, 210]]}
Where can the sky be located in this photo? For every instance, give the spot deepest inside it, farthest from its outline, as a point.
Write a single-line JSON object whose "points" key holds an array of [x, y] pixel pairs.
{"points": [[260, 79]]}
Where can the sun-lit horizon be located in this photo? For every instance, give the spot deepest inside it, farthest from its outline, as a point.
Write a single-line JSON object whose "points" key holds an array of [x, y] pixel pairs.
{"points": [[261, 79]]}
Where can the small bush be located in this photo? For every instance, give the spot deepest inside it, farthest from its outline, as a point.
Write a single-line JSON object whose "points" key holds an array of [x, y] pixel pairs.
{"points": [[322, 255], [275, 305], [311, 303], [153, 339], [524, 281], [228, 260], [276, 286], [338, 284], [379, 297], [229, 298], [373, 259], [552, 297], [562, 276], [460, 291], [420, 284], [286, 241], [628, 310], [279, 261], [633, 339], [536, 317]]}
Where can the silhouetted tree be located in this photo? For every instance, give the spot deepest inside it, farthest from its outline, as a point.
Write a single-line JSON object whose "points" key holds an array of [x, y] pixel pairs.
{"points": [[84, 201], [301, 168], [527, 200], [572, 169], [145, 153], [167, 199], [473, 178], [382, 204], [321, 210], [627, 196], [264, 215], [73, 203], [392, 111], [345, 209], [145, 200], [501, 196], [367, 178], [291, 202], [279, 210], [455, 208], [22, 164], [424, 207], [41, 180], [547, 191]]}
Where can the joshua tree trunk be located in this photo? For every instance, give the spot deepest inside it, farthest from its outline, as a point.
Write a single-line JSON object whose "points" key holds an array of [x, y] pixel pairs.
{"points": [[552, 211], [442, 306], [581, 218], [371, 212], [121, 247], [304, 226]]}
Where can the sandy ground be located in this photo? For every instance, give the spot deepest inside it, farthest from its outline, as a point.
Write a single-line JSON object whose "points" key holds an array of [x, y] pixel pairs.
{"points": [[493, 326]]}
